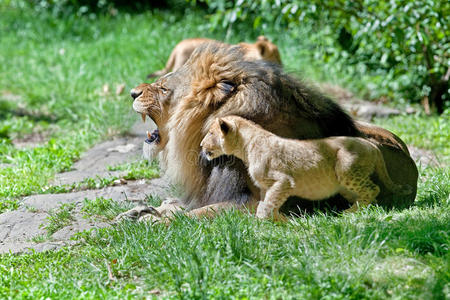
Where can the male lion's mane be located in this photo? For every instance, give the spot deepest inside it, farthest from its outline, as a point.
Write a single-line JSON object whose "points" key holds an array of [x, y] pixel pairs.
{"points": [[261, 92]]}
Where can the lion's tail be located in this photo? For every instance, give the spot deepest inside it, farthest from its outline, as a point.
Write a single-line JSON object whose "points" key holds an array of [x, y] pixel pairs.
{"points": [[383, 175]]}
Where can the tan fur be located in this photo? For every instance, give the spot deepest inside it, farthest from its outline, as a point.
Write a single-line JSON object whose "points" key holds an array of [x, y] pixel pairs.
{"points": [[261, 49], [151, 102], [311, 169], [216, 82]]}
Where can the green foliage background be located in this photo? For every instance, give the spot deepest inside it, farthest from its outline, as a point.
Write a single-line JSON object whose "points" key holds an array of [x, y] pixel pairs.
{"points": [[403, 45]]}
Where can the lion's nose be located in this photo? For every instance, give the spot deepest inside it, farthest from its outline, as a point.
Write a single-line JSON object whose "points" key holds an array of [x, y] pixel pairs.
{"points": [[135, 93]]}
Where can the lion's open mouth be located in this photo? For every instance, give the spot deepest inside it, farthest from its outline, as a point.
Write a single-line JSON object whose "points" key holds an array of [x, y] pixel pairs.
{"points": [[153, 137]]}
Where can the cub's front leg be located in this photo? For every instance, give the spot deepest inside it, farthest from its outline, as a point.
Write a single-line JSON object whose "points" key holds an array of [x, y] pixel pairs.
{"points": [[274, 198]]}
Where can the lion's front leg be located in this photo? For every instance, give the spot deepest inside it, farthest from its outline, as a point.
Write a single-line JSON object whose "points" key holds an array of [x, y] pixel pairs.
{"points": [[212, 210], [149, 213]]}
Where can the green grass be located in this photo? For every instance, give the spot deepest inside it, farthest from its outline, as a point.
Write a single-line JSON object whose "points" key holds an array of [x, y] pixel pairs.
{"points": [[109, 209], [373, 254], [427, 132], [55, 68], [138, 170], [106, 208], [59, 217]]}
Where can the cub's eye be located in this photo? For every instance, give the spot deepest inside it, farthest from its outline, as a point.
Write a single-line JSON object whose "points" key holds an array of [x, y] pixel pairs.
{"points": [[226, 86]]}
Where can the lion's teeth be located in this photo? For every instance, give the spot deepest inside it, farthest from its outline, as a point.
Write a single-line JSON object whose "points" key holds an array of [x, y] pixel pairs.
{"points": [[143, 117], [149, 135]]}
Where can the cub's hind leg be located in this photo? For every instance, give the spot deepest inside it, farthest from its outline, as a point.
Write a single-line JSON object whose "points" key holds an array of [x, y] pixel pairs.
{"points": [[353, 170], [274, 198], [364, 189]]}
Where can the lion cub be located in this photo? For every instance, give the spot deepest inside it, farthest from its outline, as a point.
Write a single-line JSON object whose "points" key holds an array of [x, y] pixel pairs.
{"points": [[310, 169], [261, 49]]}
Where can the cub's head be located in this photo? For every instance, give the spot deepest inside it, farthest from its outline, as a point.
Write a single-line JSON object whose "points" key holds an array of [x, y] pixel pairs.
{"points": [[220, 139]]}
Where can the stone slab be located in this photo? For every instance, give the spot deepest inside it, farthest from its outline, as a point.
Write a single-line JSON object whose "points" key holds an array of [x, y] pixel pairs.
{"points": [[95, 162], [18, 227]]}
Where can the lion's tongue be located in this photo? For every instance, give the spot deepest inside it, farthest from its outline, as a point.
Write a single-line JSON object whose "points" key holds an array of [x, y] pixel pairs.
{"points": [[153, 137]]}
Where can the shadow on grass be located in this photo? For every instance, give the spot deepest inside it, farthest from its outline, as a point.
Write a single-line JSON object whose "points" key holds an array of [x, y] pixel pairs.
{"points": [[10, 109]]}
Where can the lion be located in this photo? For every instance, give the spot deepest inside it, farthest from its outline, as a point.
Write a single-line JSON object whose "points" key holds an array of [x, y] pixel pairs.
{"points": [[158, 111], [217, 81], [313, 169], [261, 49]]}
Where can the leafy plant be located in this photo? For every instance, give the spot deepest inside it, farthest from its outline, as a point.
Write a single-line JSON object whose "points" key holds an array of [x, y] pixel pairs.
{"points": [[404, 44]]}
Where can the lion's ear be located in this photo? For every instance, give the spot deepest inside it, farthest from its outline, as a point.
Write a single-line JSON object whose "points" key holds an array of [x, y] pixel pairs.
{"points": [[224, 126], [262, 38]]}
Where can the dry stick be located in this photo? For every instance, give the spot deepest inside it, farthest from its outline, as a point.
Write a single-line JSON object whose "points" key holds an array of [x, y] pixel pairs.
{"points": [[110, 274]]}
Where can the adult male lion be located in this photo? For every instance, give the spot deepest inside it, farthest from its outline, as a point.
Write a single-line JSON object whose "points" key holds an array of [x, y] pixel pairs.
{"points": [[217, 81]]}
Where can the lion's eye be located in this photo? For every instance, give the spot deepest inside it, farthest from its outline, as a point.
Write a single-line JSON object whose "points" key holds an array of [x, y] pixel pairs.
{"points": [[164, 90], [226, 86]]}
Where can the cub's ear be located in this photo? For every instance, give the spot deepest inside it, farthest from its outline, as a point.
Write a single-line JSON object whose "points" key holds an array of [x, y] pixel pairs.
{"points": [[224, 126]]}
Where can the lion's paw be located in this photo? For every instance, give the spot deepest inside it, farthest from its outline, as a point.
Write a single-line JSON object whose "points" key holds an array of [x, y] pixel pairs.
{"points": [[137, 213], [149, 218]]}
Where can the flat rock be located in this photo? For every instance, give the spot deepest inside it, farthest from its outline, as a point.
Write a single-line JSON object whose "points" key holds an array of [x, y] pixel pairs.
{"points": [[22, 247], [95, 162], [368, 110], [424, 157], [78, 225], [18, 227], [132, 191]]}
